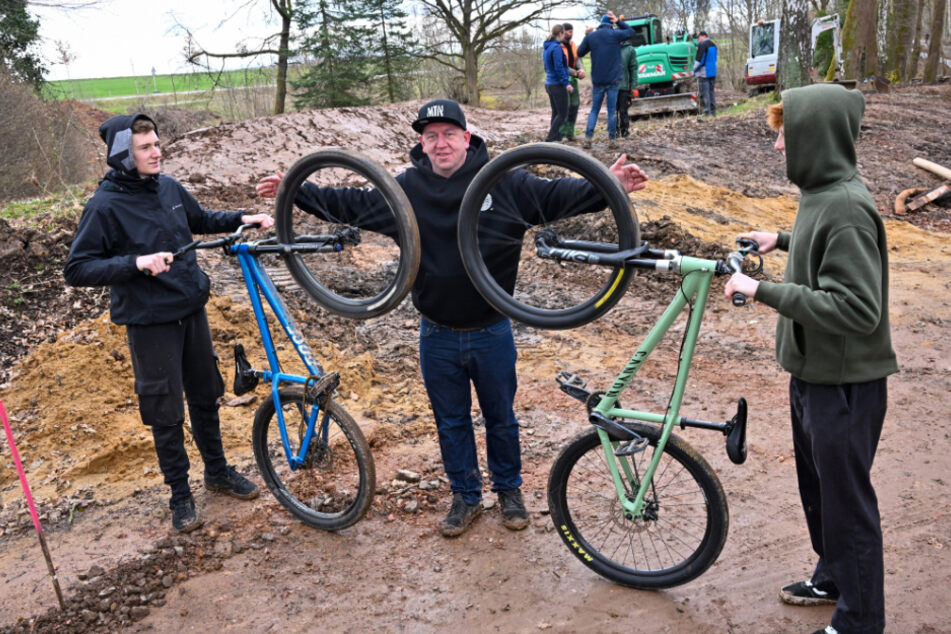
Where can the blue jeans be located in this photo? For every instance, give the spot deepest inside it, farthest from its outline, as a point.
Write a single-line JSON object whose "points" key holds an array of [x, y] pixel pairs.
{"points": [[449, 360], [600, 92]]}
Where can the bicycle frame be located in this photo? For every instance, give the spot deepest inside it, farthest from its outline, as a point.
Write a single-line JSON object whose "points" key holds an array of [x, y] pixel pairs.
{"points": [[697, 277], [258, 283]]}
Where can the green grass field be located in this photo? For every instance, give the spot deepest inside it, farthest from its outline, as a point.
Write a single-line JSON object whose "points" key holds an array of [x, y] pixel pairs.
{"points": [[111, 87]]}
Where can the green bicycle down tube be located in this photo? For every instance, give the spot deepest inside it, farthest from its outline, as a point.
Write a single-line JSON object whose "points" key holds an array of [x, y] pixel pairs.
{"points": [[698, 274]]}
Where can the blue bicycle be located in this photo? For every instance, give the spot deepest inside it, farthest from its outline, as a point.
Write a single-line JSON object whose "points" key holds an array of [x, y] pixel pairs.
{"points": [[310, 452]]}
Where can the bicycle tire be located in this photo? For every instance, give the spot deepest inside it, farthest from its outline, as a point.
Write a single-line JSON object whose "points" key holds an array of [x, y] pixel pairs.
{"points": [[673, 549], [359, 296], [335, 486], [576, 299]]}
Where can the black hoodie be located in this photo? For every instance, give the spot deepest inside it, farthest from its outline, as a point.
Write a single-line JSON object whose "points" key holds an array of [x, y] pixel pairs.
{"points": [[442, 291], [129, 216]]}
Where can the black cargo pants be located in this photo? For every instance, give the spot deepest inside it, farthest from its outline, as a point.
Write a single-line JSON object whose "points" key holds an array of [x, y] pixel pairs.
{"points": [[835, 433], [168, 360]]}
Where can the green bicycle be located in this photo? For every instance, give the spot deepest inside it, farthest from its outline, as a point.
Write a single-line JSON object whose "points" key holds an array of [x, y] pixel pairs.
{"points": [[632, 501]]}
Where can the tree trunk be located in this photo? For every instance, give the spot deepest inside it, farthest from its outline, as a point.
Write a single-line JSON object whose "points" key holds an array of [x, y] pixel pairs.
{"points": [[901, 30], [859, 45], [916, 47], [280, 92], [934, 41], [472, 77], [795, 46]]}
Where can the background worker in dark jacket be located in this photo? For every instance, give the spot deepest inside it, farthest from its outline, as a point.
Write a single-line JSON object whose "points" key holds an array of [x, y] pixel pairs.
{"points": [[604, 44], [557, 81], [125, 240], [705, 69], [834, 339], [576, 73], [463, 341], [628, 83]]}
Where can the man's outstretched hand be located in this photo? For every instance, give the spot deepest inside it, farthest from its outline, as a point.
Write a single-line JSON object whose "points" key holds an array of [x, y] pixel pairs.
{"points": [[631, 176], [267, 186]]}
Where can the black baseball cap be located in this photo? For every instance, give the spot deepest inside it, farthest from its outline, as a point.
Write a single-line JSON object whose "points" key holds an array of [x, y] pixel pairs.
{"points": [[440, 111]]}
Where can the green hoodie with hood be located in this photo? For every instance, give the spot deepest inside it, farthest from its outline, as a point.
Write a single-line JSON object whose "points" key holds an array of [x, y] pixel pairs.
{"points": [[833, 326]]}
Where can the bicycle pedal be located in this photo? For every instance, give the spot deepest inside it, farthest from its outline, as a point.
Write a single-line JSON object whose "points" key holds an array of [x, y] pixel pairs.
{"points": [[245, 379], [319, 387], [736, 436], [572, 385], [632, 446]]}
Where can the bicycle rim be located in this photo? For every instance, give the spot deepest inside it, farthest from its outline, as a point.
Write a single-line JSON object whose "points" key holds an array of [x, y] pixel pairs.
{"points": [[687, 519], [545, 293], [337, 190], [335, 486]]}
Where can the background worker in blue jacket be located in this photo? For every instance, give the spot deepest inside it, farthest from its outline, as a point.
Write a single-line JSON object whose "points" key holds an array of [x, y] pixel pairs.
{"points": [[125, 240], [463, 341], [604, 44], [557, 81], [705, 70]]}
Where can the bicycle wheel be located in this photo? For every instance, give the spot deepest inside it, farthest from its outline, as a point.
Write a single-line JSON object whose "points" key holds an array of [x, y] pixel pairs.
{"points": [[322, 199], [496, 228], [685, 523], [334, 487]]}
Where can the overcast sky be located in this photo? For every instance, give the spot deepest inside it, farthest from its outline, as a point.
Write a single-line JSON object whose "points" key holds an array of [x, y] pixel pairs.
{"points": [[131, 37]]}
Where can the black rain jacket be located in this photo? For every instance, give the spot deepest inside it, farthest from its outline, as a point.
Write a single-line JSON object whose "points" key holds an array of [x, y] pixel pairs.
{"points": [[129, 216], [442, 291]]}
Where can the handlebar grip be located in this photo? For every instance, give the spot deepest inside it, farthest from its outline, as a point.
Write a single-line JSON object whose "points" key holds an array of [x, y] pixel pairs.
{"points": [[739, 299]]}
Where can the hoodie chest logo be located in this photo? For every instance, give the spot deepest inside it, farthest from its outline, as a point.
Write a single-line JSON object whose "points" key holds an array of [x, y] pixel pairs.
{"points": [[178, 206]]}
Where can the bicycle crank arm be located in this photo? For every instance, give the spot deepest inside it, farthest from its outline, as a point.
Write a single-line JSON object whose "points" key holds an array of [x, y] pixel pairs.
{"points": [[616, 430]]}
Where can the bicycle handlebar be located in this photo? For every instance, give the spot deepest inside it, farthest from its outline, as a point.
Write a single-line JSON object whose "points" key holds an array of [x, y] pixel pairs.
{"points": [[550, 246], [302, 244]]}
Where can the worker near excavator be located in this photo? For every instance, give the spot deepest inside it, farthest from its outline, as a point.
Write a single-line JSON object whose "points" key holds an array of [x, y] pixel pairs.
{"points": [[576, 73], [705, 70], [834, 339]]}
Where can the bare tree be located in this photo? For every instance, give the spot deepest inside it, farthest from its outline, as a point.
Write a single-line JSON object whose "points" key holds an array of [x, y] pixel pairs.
{"points": [[916, 39], [795, 45], [934, 43], [859, 43], [277, 44], [516, 63], [901, 29], [469, 28]]}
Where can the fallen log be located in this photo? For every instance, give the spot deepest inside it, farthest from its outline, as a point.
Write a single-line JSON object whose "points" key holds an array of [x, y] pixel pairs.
{"points": [[934, 194], [934, 168]]}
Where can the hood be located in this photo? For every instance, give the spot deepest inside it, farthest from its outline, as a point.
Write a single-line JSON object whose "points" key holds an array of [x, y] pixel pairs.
{"points": [[820, 125], [551, 43], [116, 132], [476, 156]]}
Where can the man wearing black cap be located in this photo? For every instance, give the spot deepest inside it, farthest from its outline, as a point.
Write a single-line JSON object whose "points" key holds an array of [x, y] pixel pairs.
{"points": [[125, 240], [463, 340]]}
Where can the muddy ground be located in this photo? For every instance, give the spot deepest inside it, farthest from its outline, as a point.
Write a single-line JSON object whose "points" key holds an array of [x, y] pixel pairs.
{"points": [[67, 386]]}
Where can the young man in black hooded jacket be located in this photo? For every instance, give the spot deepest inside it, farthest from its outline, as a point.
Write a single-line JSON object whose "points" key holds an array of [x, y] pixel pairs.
{"points": [[125, 240], [462, 338]]}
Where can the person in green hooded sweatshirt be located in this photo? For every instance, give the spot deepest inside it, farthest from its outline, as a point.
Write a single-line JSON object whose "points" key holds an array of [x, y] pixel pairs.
{"points": [[833, 337]]}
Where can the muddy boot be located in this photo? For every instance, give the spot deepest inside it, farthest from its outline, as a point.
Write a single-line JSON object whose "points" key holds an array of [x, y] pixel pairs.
{"points": [[185, 517], [232, 483], [460, 516], [514, 516]]}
